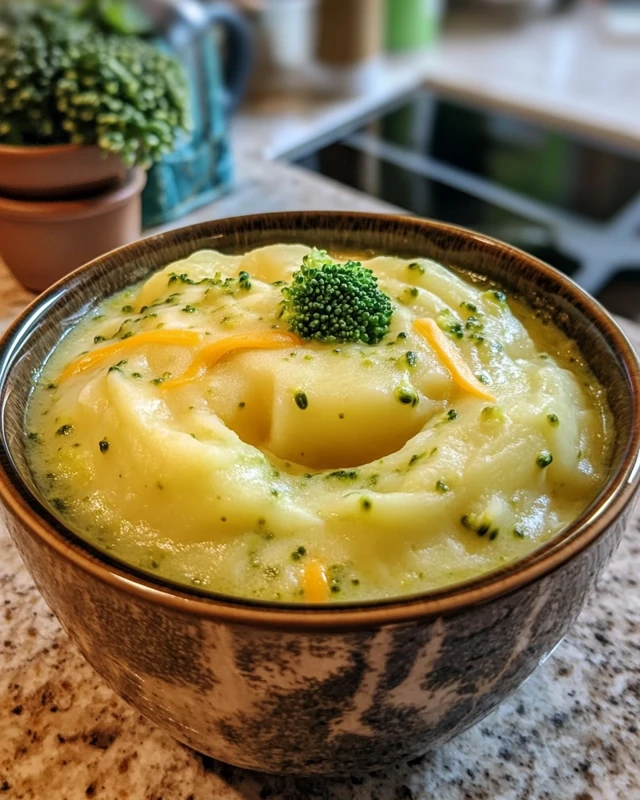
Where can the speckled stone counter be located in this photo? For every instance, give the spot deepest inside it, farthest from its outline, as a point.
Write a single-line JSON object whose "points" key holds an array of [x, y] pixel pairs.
{"points": [[571, 733]]}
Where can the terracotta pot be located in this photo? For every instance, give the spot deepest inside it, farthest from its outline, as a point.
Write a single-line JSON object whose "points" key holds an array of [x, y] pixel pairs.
{"points": [[337, 688], [57, 172], [40, 241]]}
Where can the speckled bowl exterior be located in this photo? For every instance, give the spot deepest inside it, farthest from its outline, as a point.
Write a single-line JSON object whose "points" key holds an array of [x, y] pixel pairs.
{"points": [[317, 689]]}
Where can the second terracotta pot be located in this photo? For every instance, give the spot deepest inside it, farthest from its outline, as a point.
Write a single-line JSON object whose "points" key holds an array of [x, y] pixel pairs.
{"points": [[40, 242]]}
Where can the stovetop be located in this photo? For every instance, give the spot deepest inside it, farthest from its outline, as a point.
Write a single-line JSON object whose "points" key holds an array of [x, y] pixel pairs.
{"points": [[571, 202]]}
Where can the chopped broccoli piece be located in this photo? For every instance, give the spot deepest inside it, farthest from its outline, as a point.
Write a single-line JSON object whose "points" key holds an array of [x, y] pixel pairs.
{"points": [[333, 302]]}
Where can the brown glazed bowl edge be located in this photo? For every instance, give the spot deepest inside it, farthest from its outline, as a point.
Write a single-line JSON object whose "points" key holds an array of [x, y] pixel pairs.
{"points": [[452, 599]]}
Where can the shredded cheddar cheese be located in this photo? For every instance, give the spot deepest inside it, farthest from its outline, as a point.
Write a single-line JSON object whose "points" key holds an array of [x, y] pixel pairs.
{"points": [[95, 357], [209, 356], [315, 583], [450, 356]]}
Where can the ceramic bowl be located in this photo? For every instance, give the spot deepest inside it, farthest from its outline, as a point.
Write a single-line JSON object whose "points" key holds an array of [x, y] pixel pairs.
{"points": [[325, 689]]}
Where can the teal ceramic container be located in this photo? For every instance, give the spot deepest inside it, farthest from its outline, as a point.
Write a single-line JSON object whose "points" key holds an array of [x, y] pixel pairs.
{"points": [[200, 169]]}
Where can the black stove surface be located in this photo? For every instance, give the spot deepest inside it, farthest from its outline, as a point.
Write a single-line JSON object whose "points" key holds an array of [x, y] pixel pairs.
{"points": [[572, 203]]}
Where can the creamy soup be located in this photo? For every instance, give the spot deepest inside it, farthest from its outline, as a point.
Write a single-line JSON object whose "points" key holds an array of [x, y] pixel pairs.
{"points": [[284, 426]]}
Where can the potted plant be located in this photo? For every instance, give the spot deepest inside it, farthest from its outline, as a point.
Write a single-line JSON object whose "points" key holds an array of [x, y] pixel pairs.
{"points": [[82, 110]]}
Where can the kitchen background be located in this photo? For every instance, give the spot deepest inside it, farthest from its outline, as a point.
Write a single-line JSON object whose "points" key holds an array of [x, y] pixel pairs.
{"points": [[543, 164], [516, 118]]}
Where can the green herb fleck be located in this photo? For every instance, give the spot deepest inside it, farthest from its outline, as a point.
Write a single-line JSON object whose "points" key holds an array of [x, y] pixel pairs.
{"points": [[244, 281], [64, 430], [544, 459], [298, 553], [480, 524], [411, 358], [518, 533], [189, 309], [127, 309], [406, 396], [98, 339], [59, 504], [456, 330], [449, 324], [365, 504], [492, 414], [337, 575], [553, 420], [136, 375], [415, 267], [33, 436], [415, 458], [116, 367], [242, 404], [344, 474], [451, 414], [164, 377], [474, 324], [301, 400], [441, 486], [471, 307]]}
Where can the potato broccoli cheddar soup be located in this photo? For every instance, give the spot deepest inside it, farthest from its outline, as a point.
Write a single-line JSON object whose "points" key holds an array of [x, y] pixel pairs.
{"points": [[289, 425]]}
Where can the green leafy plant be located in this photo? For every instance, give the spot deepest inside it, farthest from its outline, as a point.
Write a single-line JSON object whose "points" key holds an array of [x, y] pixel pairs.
{"points": [[67, 77]]}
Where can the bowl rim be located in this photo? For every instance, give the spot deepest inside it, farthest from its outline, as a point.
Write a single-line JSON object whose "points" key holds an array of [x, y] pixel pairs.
{"points": [[446, 600]]}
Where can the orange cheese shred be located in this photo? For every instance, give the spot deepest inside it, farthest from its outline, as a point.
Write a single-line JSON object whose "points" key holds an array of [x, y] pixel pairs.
{"points": [[452, 359], [209, 355], [315, 582], [95, 357]]}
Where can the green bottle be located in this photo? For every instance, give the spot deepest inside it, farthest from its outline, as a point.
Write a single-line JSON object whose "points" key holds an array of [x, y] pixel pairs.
{"points": [[412, 24]]}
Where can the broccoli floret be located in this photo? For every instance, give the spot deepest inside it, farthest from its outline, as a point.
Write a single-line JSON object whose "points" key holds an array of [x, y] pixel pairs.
{"points": [[333, 302]]}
